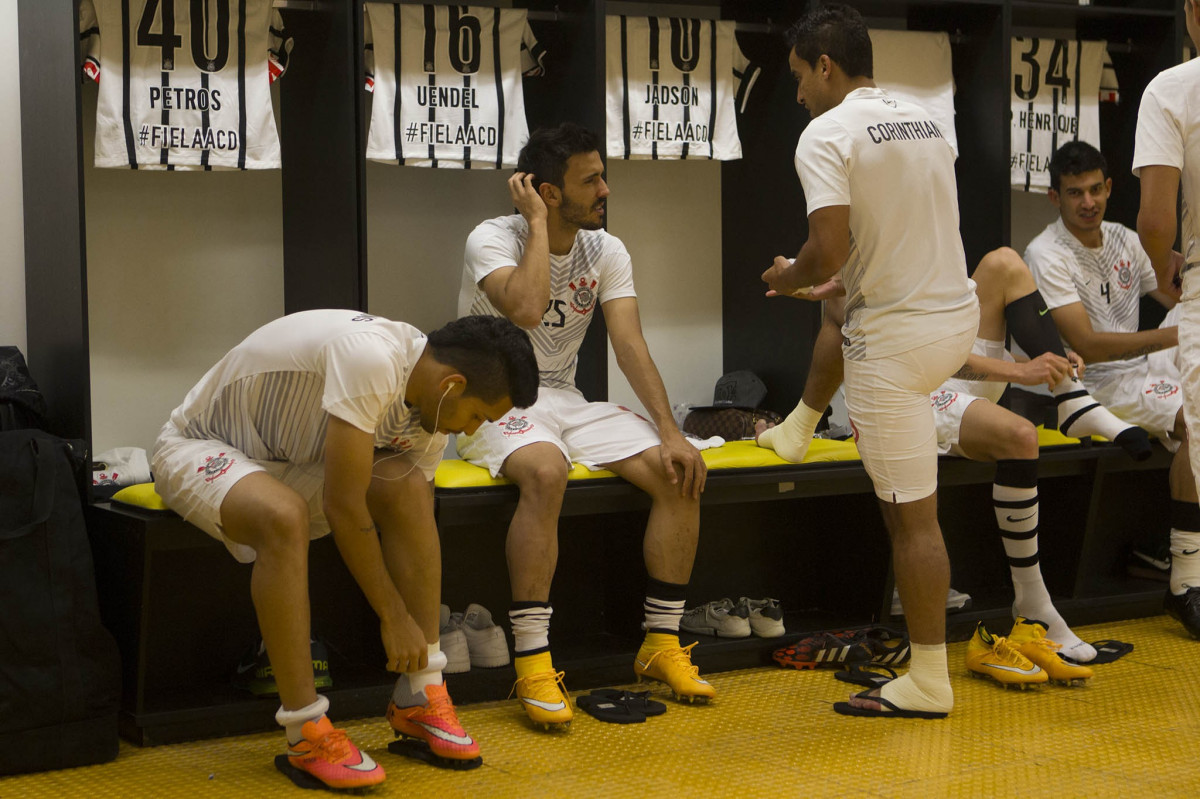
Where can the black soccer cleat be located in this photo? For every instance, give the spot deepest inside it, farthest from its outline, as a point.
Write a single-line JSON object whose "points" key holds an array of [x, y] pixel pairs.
{"points": [[1185, 608]]}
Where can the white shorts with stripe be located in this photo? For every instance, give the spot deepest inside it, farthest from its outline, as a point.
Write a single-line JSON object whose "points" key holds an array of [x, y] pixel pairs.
{"points": [[888, 403], [193, 476], [591, 433]]}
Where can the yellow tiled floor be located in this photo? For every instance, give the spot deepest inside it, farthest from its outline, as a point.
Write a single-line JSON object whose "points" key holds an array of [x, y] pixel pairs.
{"points": [[1132, 733]]}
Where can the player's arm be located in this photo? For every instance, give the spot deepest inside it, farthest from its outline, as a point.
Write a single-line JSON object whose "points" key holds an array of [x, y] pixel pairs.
{"points": [[1046, 368], [1096, 347], [820, 258], [349, 460], [633, 357], [522, 292], [1157, 225]]}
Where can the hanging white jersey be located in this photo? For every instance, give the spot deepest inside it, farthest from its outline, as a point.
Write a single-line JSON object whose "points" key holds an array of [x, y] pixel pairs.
{"points": [[674, 87], [1055, 99], [447, 84], [915, 66], [184, 84]]}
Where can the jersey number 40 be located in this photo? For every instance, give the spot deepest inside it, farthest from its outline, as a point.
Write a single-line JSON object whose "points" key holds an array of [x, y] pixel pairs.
{"points": [[162, 14]]}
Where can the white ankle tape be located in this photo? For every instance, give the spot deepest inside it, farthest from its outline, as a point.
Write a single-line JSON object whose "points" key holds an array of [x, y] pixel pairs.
{"points": [[437, 662], [904, 693], [313, 711]]}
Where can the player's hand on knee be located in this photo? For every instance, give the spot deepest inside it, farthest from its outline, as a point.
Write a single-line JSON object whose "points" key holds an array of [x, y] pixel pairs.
{"points": [[404, 644], [684, 465]]}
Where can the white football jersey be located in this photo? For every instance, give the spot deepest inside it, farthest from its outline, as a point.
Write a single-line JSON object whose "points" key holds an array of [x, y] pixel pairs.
{"points": [[673, 86], [184, 84], [458, 102], [596, 270], [1056, 86]]}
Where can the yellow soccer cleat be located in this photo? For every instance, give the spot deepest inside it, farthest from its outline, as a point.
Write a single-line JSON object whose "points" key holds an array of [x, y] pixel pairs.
{"points": [[673, 665], [1029, 637], [540, 690], [996, 657]]}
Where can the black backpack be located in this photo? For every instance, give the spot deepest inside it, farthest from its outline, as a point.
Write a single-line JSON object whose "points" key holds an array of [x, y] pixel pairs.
{"points": [[60, 682], [21, 404]]}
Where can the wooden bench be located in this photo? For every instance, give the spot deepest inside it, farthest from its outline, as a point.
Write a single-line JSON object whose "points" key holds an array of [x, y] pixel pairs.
{"points": [[180, 607]]}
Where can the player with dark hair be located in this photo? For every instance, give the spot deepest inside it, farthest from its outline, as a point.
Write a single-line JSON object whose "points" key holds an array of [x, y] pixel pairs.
{"points": [[1093, 274], [1166, 159], [878, 178], [547, 268], [971, 424], [335, 421]]}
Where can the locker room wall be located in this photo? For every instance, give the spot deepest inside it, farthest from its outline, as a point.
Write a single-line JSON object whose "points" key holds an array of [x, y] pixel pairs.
{"points": [[12, 218], [181, 267]]}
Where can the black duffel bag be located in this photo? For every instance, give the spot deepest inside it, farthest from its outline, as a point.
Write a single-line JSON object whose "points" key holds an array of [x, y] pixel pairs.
{"points": [[60, 682]]}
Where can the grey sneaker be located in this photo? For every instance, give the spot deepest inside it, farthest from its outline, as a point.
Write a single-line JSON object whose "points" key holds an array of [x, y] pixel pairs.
{"points": [[454, 642], [719, 617], [766, 616], [486, 641]]}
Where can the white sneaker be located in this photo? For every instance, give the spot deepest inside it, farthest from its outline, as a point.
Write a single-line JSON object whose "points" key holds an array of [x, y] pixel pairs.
{"points": [[955, 600], [719, 617], [453, 642], [485, 640], [766, 616]]}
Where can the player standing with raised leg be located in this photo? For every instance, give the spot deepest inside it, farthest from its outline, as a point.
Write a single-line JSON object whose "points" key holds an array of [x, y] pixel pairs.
{"points": [[878, 178]]}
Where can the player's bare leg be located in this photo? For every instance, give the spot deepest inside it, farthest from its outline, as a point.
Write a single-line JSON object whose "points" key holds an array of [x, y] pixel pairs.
{"points": [[540, 472]]}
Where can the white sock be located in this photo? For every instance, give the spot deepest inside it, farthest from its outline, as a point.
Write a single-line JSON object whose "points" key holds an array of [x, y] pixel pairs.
{"points": [[293, 721], [1185, 561], [531, 628], [926, 686], [1079, 415], [791, 437], [410, 688]]}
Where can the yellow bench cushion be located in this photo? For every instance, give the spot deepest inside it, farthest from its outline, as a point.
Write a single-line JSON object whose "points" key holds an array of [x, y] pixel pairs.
{"points": [[733, 455], [141, 495]]}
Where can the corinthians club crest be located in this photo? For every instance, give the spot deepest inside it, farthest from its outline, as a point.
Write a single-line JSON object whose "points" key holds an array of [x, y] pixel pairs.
{"points": [[516, 425], [214, 467], [1124, 270], [584, 296], [943, 399]]}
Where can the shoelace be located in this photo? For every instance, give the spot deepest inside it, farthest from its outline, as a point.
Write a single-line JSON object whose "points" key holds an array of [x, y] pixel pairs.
{"points": [[334, 747], [1009, 654], [680, 655], [442, 708], [533, 682]]}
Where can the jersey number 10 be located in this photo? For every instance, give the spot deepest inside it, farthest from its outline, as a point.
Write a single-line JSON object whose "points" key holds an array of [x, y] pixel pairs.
{"points": [[163, 12], [1056, 74]]}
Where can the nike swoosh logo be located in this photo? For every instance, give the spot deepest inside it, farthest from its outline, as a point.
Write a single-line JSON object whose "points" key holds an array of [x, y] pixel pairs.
{"points": [[1043, 312], [552, 706], [1190, 551], [1022, 519], [365, 764], [243, 669], [1014, 669], [438, 732], [642, 664]]}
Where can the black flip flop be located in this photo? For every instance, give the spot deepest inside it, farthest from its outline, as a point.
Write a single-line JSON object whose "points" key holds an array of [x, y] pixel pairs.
{"points": [[634, 700], [1107, 651], [419, 750], [889, 710], [603, 709], [868, 675]]}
